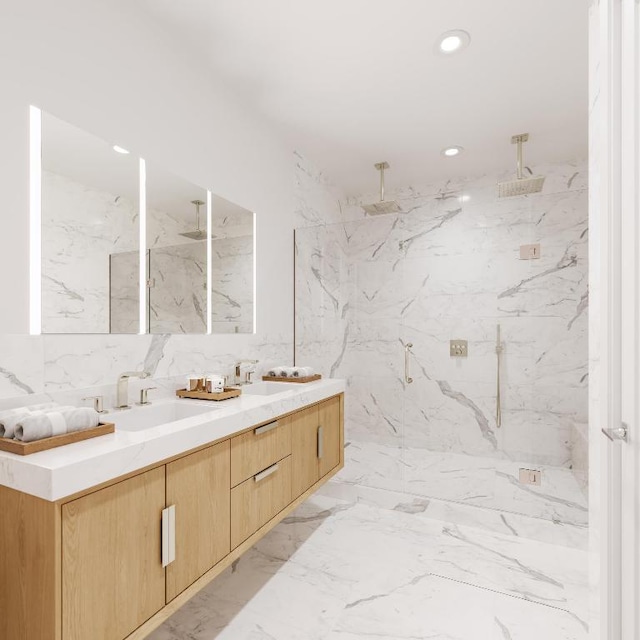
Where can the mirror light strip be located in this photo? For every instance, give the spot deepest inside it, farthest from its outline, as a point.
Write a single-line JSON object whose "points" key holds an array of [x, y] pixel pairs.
{"points": [[255, 272], [35, 220], [209, 263], [143, 247]]}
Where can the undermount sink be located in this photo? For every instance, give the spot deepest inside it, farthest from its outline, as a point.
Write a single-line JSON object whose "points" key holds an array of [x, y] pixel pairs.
{"points": [[268, 388], [154, 415]]}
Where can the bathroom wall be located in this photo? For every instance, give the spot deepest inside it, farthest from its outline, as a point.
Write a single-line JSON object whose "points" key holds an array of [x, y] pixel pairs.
{"points": [[106, 68], [81, 227], [449, 268]]}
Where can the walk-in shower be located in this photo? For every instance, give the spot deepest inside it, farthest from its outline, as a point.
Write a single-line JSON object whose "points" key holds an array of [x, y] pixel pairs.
{"points": [[378, 301]]}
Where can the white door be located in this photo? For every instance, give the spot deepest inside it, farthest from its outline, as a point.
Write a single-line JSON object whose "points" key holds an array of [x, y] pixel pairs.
{"points": [[615, 315]]}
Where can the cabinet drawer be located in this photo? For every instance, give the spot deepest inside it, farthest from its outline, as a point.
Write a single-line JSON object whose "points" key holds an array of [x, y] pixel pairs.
{"points": [[255, 450], [258, 499]]}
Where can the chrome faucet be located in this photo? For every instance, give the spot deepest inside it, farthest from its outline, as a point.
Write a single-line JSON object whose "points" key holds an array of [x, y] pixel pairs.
{"points": [[122, 395], [247, 375]]}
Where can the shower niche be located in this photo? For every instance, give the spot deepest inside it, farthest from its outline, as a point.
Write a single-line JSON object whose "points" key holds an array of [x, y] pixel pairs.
{"points": [[129, 247]]}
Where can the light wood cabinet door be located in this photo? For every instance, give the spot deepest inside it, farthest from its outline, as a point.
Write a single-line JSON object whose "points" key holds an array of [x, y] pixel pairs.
{"points": [[198, 485], [112, 575], [304, 449], [330, 422], [258, 499]]}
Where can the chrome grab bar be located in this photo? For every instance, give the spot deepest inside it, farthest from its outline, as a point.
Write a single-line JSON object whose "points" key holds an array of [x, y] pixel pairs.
{"points": [[499, 349], [407, 352]]}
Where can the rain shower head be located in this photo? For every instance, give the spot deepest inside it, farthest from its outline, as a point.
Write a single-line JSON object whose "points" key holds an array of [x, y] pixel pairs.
{"points": [[198, 234], [383, 206], [520, 186]]}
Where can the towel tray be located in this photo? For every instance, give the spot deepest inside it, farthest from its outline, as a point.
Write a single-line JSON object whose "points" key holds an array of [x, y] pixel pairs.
{"points": [[25, 448], [228, 393], [313, 378]]}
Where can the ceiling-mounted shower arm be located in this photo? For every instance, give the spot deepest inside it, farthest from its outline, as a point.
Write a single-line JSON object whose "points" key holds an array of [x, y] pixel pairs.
{"points": [[198, 204], [520, 140], [381, 166]]}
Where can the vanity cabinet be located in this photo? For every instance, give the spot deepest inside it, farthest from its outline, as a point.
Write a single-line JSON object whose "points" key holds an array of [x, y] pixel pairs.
{"points": [[112, 580], [198, 487], [90, 567], [258, 448], [316, 443], [258, 499]]}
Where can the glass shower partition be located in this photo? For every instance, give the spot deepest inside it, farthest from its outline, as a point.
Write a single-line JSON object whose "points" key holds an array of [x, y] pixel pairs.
{"points": [[442, 277]]}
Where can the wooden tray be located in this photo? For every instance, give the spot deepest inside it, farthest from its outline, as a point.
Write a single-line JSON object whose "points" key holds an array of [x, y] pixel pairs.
{"points": [[26, 448], [312, 378], [203, 395]]}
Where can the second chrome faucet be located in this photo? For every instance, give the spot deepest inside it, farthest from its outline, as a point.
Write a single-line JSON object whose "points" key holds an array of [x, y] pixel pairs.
{"points": [[122, 391], [247, 375]]}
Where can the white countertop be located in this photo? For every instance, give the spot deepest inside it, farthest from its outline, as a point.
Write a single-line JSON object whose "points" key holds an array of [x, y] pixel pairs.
{"points": [[57, 473]]}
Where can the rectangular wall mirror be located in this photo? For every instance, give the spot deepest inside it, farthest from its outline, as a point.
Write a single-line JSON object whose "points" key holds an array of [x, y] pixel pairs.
{"points": [[198, 255], [176, 254], [90, 225], [232, 267]]}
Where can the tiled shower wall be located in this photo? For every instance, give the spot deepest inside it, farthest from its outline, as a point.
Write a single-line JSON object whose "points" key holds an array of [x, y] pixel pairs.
{"points": [[447, 268]]}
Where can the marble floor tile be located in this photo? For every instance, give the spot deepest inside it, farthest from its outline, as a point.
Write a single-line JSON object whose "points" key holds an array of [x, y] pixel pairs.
{"points": [[472, 480], [340, 570], [522, 526]]}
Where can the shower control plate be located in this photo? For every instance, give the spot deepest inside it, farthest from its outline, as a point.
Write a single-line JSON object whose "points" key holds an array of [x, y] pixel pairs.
{"points": [[530, 476], [458, 348], [530, 251]]}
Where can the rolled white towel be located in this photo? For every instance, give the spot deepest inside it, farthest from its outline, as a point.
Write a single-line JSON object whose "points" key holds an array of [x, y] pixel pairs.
{"points": [[302, 372], [55, 423], [277, 372], [287, 372], [9, 418]]}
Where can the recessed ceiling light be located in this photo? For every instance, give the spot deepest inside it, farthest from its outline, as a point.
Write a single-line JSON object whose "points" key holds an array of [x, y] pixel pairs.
{"points": [[452, 42], [119, 149], [464, 198], [452, 152]]}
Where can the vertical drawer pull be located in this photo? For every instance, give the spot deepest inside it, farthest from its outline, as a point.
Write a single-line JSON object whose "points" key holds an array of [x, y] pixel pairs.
{"points": [[267, 472], [168, 535], [320, 443], [265, 427]]}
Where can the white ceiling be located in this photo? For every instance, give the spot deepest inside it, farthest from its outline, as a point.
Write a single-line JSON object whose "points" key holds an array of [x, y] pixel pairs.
{"points": [[353, 82]]}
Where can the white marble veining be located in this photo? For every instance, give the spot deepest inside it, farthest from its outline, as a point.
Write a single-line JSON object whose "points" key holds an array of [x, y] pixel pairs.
{"points": [[232, 284], [460, 513], [58, 473], [317, 200], [449, 267], [178, 295], [81, 227], [464, 479], [338, 570]]}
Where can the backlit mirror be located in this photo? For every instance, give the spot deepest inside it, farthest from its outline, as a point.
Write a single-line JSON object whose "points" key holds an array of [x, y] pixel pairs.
{"points": [[176, 254], [90, 231], [232, 267], [199, 248]]}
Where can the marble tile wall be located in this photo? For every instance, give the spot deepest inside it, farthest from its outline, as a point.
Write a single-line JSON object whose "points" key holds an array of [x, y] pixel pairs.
{"points": [[66, 368], [449, 268], [178, 296], [81, 227], [232, 284]]}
